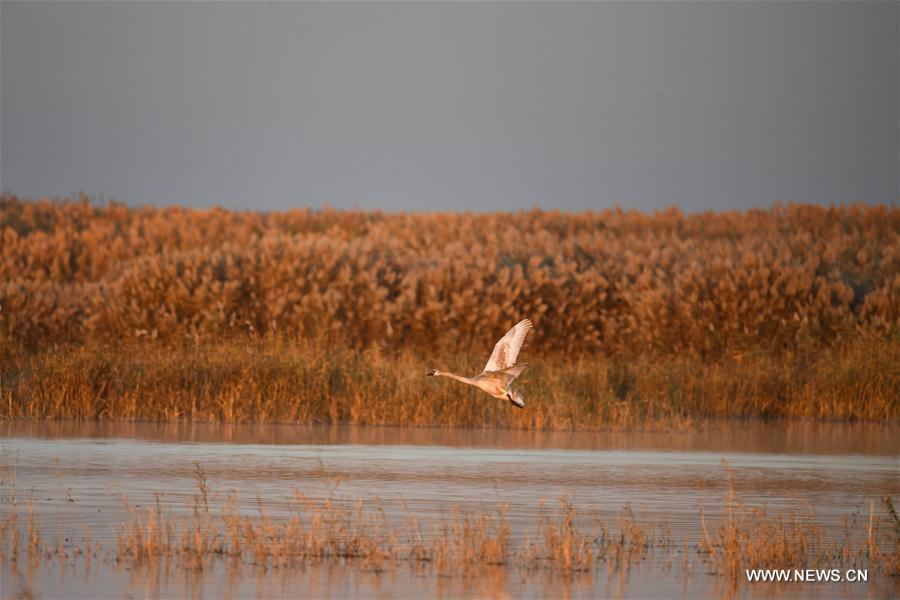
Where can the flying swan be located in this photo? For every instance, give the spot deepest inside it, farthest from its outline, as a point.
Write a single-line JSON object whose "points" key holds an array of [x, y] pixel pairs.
{"points": [[501, 367]]}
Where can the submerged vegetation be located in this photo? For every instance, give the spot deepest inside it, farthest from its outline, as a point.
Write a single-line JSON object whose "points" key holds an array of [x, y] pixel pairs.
{"points": [[333, 316], [566, 540]]}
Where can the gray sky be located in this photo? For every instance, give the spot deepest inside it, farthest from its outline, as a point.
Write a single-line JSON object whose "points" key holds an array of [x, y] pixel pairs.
{"points": [[452, 106]]}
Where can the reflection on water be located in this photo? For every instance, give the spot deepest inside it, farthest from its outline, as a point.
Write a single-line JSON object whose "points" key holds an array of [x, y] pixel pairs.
{"points": [[731, 436], [236, 580], [76, 475]]}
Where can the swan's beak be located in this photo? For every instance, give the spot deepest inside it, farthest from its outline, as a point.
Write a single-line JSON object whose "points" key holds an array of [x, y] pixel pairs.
{"points": [[431, 373]]}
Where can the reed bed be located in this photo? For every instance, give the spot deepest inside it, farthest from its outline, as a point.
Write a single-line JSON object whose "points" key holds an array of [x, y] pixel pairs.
{"points": [[277, 381], [613, 282], [108, 311]]}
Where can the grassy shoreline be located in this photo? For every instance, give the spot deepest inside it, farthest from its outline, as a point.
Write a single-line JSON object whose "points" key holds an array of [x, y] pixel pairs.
{"points": [[255, 381]]}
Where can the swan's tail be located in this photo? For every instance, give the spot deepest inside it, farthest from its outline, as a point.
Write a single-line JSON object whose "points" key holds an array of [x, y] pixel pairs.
{"points": [[516, 398]]}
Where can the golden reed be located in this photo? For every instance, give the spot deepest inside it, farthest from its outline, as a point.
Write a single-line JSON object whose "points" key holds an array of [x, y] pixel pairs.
{"points": [[333, 316]]}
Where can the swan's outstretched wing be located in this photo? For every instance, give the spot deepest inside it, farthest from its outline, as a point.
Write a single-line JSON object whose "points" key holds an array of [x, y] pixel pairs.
{"points": [[507, 349], [504, 377]]}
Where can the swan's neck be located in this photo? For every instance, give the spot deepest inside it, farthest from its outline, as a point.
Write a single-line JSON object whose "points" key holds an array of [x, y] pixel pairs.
{"points": [[453, 376]]}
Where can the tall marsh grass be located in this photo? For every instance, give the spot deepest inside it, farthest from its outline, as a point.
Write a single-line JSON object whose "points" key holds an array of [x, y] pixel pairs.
{"points": [[244, 381], [333, 316]]}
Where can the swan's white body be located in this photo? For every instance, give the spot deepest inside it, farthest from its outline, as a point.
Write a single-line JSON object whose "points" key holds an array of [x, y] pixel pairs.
{"points": [[501, 368]]}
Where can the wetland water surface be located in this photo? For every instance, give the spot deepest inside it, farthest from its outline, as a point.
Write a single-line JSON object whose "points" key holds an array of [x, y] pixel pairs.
{"points": [[78, 481]]}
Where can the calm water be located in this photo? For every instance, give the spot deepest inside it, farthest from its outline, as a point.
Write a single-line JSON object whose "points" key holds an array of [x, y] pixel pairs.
{"points": [[78, 475]]}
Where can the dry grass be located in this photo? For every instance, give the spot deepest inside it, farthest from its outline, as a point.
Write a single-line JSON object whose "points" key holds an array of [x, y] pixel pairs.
{"points": [[751, 538], [327, 316], [265, 381]]}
